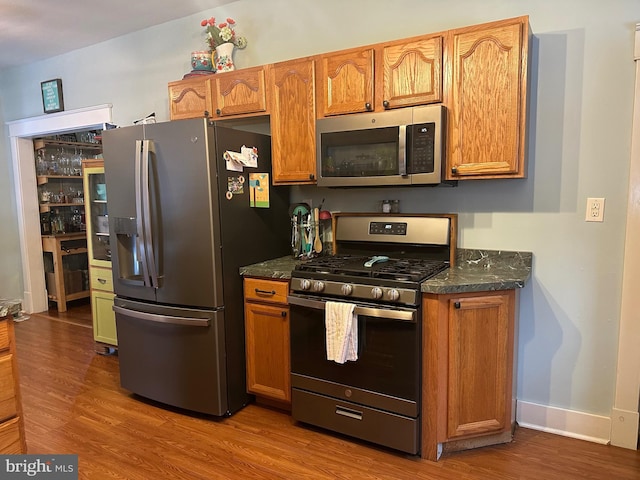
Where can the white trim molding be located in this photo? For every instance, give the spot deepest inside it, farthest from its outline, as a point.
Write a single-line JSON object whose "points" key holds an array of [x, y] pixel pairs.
{"points": [[568, 423], [21, 132], [624, 415]]}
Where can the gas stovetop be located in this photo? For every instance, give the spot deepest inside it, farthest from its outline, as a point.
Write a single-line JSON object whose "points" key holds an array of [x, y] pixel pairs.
{"points": [[376, 266], [379, 258], [348, 278]]}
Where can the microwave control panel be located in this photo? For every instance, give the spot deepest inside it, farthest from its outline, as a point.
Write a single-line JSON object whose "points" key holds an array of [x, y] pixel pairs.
{"points": [[421, 144]]}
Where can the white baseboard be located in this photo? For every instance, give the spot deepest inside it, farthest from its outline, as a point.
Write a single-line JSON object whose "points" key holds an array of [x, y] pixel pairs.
{"points": [[569, 423], [624, 428]]}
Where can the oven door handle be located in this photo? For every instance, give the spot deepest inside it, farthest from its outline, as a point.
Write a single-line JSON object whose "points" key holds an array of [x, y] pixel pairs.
{"points": [[402, 315]]}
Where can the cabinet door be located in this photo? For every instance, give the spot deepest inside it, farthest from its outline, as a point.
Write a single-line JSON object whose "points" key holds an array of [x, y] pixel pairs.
{"points": [[96, 213], [267, 345], [480, 364], [346, 82], [190, 98], [293, 122], [8, 405], [487, 105], [240, 92], [411, 72], [104, 318], [11, 438]]}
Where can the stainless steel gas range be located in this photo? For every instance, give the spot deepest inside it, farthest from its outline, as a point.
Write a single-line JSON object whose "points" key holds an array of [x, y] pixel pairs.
{"points": [[379, 263]]}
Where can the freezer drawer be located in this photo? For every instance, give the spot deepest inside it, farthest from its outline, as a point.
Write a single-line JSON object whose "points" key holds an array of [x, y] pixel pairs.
{"points": [[173, 355]]}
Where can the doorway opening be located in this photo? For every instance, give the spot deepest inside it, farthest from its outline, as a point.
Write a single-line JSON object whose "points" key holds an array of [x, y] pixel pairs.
{"points": [[21, 135]]}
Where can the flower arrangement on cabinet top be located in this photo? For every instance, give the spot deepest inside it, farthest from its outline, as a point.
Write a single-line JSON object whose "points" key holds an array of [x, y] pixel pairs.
{"points": [[222, 33]]}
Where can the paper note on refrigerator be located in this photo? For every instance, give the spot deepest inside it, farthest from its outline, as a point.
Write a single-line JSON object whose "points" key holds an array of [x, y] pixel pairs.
{"points": [[248, 157], [259, 190]]}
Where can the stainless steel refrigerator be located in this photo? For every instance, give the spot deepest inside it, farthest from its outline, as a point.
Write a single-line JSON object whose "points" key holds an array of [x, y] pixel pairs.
{"points": [[181, 224]]}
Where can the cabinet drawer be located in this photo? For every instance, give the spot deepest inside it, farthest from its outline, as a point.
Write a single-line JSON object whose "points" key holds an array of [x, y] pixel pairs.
{"points": [[272, 291], [101, 279], [10, 443], [8, 406], [4, 335]]}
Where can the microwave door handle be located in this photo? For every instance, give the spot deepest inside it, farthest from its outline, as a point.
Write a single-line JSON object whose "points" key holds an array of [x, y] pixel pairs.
{"points": [[402, 150], [141, 243], [147, 150]]}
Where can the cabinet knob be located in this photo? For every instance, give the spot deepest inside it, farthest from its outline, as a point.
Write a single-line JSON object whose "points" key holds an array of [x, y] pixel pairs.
{"points": [[283, 314], [385, 103], [206, 114], [368, 106], [454, 170], [456, 304], [312, 176], [218, 111]]}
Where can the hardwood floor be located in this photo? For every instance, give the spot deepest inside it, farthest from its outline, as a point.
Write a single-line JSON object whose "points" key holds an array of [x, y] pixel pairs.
{"points": [[73, 403]]}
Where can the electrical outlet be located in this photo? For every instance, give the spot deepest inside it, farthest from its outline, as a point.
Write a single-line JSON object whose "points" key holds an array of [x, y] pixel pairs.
{"points": [[595, 210]]}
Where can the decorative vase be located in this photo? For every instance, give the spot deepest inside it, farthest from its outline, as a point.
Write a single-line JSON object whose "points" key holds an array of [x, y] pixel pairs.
{"points": [[224, 57], [201, 60]]}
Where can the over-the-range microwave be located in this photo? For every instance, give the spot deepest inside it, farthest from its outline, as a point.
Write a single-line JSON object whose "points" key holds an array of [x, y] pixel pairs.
{"points": [[394, 147]]}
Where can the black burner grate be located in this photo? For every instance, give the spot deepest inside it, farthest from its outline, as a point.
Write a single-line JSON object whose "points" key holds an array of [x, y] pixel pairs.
{"points": [[396, 269]]}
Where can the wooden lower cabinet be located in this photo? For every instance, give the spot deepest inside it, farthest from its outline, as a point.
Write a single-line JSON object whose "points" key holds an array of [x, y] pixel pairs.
{"points": [[468, 390], [12, 440], [104, 319], [266, 315]]}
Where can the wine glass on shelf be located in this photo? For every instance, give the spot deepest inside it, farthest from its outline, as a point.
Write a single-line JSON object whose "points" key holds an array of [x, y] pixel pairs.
{"points": [[53, 167], [76, 163], [65, 162]]}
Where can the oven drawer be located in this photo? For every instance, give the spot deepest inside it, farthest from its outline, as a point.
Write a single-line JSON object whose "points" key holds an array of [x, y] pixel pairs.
{"points": [[377, 426]]}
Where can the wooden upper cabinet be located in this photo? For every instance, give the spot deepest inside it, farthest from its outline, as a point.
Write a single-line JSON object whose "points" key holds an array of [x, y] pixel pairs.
{"points": [[345, 82], [487, 100], [293, 121], [409, 72], [240, 92], [190, 98]]}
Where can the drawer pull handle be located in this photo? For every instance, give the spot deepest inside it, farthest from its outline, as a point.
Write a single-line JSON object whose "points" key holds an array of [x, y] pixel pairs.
{"points": [[347, 412], [102, 281], [265, 292]]}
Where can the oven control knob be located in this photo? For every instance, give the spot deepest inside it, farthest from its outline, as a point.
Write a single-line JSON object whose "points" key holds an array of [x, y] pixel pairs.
{"points": [[318, 286], [305, 284], [376, 292], [393, 294], [347, 289]]}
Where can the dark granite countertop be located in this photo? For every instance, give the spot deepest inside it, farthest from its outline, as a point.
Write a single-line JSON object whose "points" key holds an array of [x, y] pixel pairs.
{"points": [[475, 271], [481, 271], [276, 268]]}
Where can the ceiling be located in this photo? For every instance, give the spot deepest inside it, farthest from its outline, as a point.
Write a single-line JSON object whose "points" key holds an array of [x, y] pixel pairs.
{"points": [[32, 30]]}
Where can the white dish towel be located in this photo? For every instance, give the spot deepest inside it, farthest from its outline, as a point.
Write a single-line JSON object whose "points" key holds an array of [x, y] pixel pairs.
{"points": [[341, 325]]}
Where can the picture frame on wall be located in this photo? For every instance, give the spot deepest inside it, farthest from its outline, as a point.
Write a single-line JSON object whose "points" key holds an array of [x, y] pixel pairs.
{"points": [[52, 99]]}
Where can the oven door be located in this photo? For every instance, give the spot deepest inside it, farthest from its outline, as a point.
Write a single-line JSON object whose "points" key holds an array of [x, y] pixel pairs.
{"points": [[386, 374], [376, 397]]}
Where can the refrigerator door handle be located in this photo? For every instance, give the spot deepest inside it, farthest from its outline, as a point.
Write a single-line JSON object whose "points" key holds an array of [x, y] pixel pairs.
{"points": [[141, 243], [147, 150], [169, 319]]}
